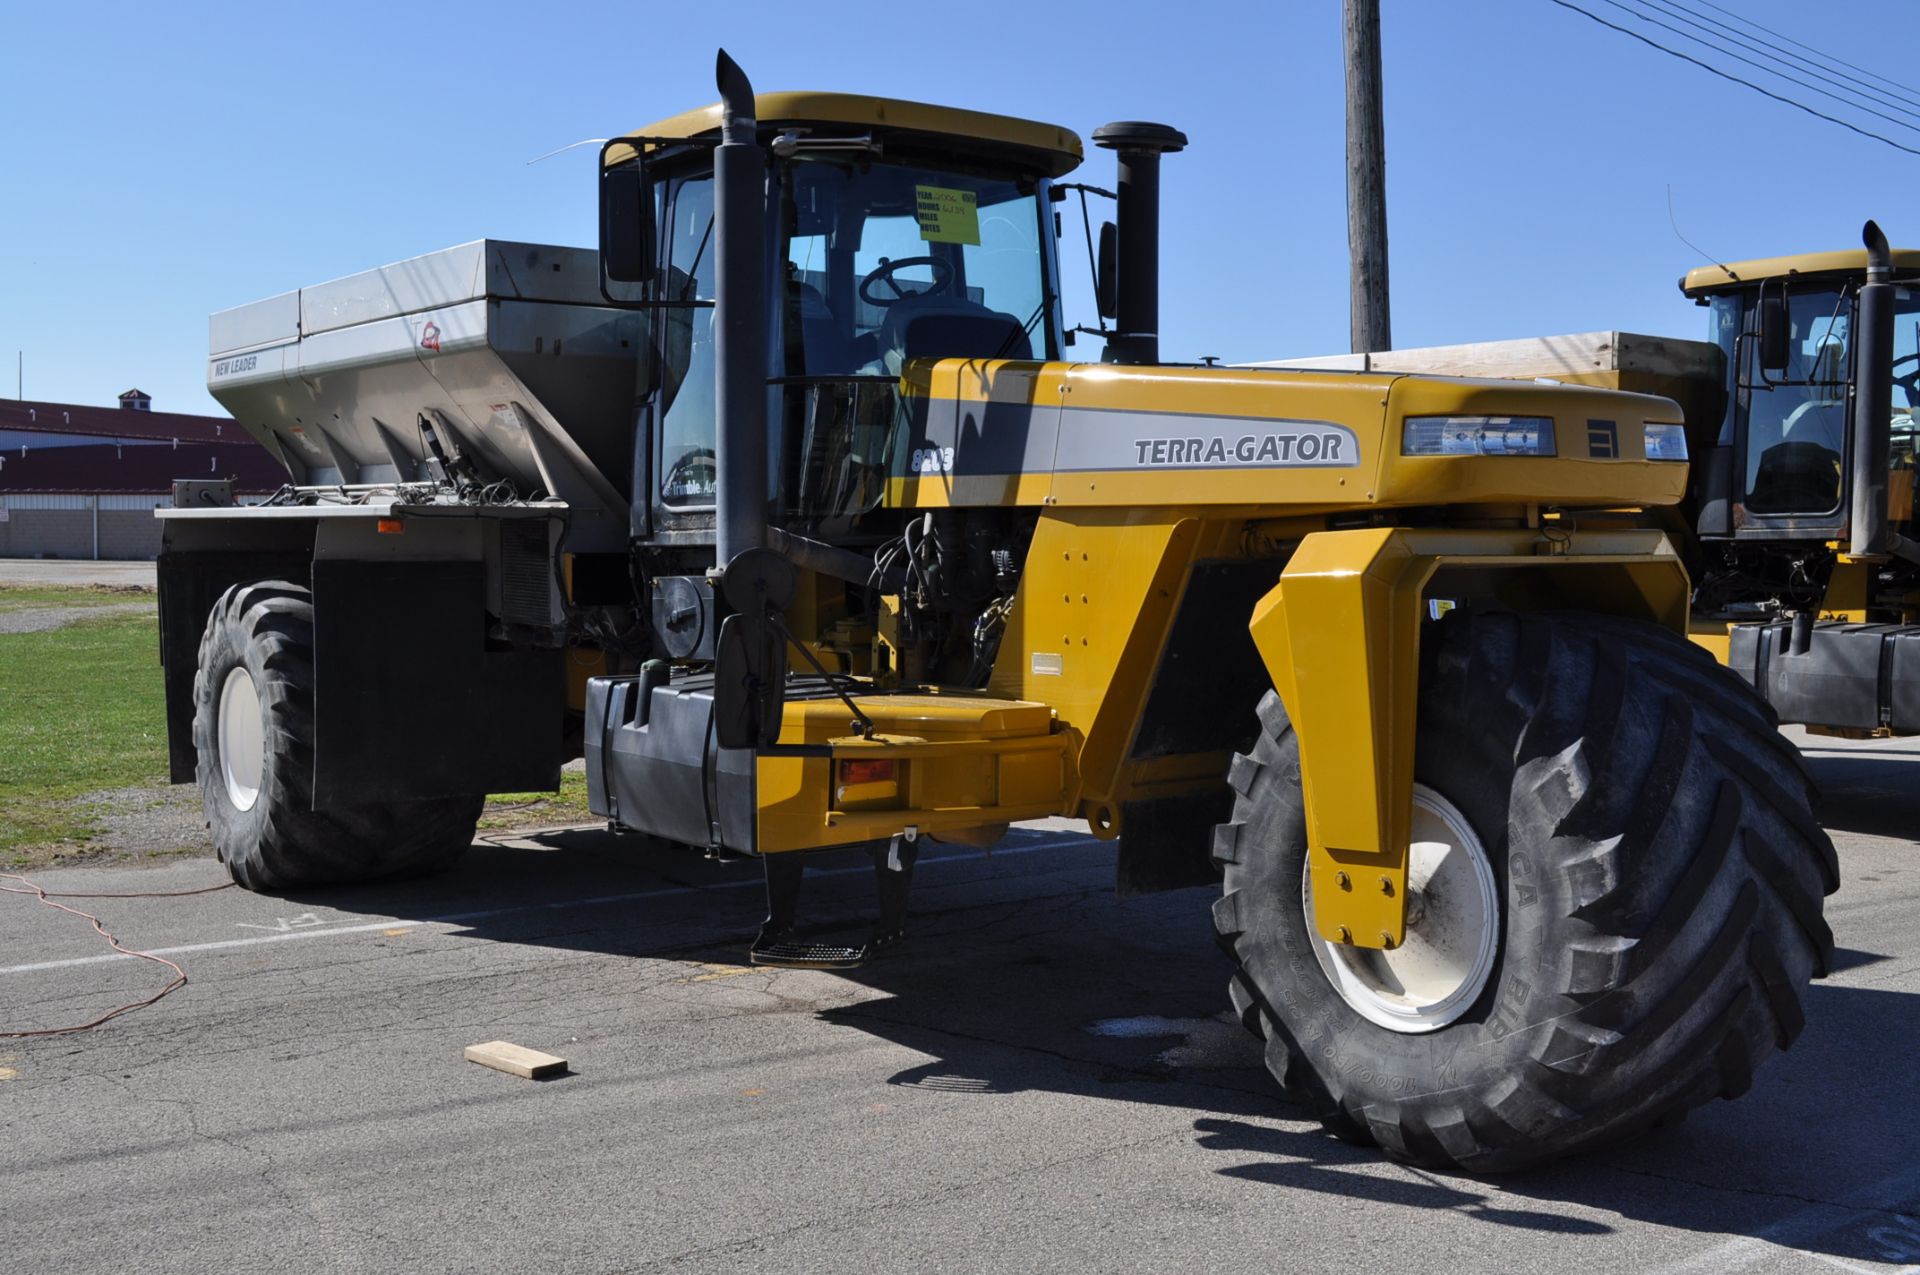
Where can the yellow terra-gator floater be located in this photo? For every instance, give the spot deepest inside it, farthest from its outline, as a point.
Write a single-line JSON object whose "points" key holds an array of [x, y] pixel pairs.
{"points": [[802, 513]]}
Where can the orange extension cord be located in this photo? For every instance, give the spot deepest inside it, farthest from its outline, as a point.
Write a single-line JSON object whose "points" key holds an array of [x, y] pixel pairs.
{"points": [[47, 897]]}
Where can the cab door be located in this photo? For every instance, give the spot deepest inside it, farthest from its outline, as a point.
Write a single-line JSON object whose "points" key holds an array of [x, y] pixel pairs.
{"points": [[1792, 452]]}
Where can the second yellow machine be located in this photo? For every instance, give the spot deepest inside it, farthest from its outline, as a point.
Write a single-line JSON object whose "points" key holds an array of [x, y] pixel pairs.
{"points": [[796, 518]]}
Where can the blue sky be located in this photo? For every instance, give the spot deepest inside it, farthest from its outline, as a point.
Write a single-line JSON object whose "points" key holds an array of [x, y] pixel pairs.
{"points": [[162, 161]]}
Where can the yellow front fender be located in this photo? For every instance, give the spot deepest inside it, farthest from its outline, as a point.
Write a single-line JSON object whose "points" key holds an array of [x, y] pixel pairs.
{"points": [[1340, 636]]}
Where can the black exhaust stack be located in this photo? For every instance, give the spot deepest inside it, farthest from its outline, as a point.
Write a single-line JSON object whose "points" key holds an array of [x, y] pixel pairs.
{"points": [[755, 584], [1138, 146], [1870, 534], [740, 321], [1873, 400]]}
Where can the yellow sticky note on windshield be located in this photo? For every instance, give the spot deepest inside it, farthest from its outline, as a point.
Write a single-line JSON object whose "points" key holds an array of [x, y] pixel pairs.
{"points": [[948, 215]]}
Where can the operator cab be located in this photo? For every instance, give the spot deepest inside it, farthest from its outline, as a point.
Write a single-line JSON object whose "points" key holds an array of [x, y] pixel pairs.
{"points": [[897, 232], [1780, 463]]}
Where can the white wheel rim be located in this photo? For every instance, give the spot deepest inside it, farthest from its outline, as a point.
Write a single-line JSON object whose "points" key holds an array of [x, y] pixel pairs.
{"points": [[1453, 930], [242, 742]]}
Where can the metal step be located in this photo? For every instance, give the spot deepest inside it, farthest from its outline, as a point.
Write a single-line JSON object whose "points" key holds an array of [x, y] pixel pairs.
{"points": [[805, 954]]}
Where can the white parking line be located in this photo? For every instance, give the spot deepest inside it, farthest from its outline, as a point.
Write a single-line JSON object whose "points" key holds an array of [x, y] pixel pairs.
{"points": [[1899, 1242], [453, 920]]}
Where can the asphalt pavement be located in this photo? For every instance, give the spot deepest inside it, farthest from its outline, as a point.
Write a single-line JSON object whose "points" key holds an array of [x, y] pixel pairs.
{"points": [[1039, 1079]]}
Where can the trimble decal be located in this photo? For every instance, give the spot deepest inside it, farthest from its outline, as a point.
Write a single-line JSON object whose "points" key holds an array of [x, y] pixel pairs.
{"points": [[1110, 440]]}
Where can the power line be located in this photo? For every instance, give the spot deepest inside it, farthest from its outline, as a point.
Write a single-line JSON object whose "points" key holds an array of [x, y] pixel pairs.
{"points": [[1828, 57], [1795, 60], [1761, 66], [1728, 75], [1893, 94]]}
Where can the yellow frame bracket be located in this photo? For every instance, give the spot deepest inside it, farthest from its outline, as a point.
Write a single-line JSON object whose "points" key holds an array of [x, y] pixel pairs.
{"points": [[1340, 636]]}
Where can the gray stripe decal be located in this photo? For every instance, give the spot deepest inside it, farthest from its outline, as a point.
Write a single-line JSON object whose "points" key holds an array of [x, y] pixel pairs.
{"points": [[973, 439], [955, 439]]}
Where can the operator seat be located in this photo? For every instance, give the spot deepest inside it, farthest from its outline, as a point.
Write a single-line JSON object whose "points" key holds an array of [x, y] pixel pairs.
{"points": [[1795, 478], [826, 345], [929, 326]]}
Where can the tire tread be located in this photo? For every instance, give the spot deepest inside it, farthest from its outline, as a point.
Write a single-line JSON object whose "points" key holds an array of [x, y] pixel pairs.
{"points": [[1682, 960]]}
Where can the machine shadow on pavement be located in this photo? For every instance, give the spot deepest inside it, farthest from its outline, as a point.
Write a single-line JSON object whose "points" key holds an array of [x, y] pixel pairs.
{"points": [[1024, 973], [1875, 792], [1813, 1159]]}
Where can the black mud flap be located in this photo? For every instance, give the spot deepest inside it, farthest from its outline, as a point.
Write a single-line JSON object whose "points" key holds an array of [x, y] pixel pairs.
{"points": [[1167, 844], [411, 699]]}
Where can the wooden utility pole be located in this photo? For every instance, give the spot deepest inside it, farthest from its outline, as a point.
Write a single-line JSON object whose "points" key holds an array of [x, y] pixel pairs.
{"points": [[1366, 179]]}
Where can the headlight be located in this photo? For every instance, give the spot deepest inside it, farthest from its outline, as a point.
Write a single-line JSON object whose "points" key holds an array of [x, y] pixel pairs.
{"points": [[1477, 436], [1666, 442]]}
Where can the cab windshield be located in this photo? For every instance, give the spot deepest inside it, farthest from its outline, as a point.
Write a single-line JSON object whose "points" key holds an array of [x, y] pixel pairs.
{"points": [[879, 263], [684, 208], [888, 262]]}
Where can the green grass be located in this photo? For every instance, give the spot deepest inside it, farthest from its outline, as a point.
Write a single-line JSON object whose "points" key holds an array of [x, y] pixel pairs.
{"points": [[537, 809], [80, 710]]}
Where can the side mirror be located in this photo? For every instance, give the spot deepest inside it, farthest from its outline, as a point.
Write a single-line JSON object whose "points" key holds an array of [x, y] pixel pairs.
{"points": [[1774, 332], [1106, 274], [750, 657], [626, 220]]}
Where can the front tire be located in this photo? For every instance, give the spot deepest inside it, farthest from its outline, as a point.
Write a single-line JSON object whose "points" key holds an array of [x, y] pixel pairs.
{"points": [[253, 735], [1656, 879]]}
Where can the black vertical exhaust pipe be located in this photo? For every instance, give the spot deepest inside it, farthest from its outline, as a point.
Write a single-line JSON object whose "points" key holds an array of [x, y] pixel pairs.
{"points": [[1873, 400], [739, 320], [1138, 147]]}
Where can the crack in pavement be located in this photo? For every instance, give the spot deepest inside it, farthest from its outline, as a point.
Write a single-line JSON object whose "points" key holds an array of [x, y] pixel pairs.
{"points": [[1761, 1193], [269, 1168]]}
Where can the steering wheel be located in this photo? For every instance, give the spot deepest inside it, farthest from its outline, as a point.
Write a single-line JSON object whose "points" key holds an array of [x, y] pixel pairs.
{"points": [[1907, 382], [884, 272]]}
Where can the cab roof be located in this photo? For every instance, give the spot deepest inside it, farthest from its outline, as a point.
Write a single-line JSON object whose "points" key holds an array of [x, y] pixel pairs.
{"points": [[1048, 147], [1734, 274]]}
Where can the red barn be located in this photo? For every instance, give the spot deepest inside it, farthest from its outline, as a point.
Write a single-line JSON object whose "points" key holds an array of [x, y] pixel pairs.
{"points": [[83, 482]]}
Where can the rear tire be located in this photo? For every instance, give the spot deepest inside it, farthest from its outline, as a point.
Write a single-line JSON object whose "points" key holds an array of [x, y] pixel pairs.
{"points": [[253, 733], [1658, 877]]}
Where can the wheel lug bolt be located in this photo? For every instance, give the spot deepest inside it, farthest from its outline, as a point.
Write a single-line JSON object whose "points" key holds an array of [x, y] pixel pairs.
{"points": [[1386, 941], [1346, 935], [1386, 886], [1342, 880]]}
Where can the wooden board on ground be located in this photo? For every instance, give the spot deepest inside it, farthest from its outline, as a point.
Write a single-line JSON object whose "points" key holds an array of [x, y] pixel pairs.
{"points": [[516, 1060]]}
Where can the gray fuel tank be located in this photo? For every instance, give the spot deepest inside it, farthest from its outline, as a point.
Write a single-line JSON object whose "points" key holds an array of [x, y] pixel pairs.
{"points": [[1857, 676]]}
